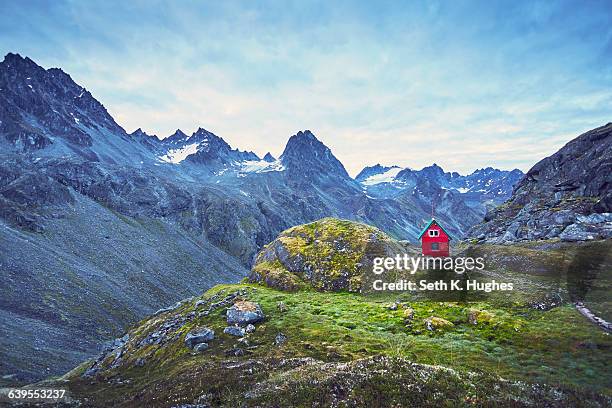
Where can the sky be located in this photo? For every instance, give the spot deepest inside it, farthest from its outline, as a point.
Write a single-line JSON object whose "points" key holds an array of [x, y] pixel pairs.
{"points": [[460, 83]]}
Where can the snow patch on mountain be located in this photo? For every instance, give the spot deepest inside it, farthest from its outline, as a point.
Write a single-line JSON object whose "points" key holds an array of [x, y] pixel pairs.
{"points": [[260, 166], [176, 156], [385, 177]]}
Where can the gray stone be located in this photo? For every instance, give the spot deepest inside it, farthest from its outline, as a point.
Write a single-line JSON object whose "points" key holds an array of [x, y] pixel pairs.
{"points": [[237, 352], [250, 328], [280, 339], [234, 331], [595, 218], [199, 336], [578, 232], [200, 347], [244, 312]]}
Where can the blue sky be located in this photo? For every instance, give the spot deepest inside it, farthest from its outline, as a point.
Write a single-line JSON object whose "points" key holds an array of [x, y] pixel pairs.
{"points": [[460, 83]]}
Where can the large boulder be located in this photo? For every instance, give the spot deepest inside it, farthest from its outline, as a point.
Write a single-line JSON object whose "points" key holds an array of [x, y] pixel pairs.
{"points": [[243, 313], [328, 255], [199, 336]]}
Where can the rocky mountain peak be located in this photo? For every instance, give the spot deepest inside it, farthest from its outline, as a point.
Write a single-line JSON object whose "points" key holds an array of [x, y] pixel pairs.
{"points": [[36, 103], [139, 133], [176, 138], [306, 154], [19, 63], [269, 158]]}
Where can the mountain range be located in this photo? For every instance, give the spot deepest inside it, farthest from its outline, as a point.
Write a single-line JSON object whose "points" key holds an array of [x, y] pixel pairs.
{"points": [[101, 227]]}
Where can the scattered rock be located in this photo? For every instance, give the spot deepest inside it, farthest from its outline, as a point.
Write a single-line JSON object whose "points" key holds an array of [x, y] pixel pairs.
{"points": [[281, 307], [408, 314], [200, 347], [250, 328], [199, 336], [244, 312], [433, 323], [237, 352], [140, 362], [549, 302], [235, 331], [280, 339], [580, 232]]}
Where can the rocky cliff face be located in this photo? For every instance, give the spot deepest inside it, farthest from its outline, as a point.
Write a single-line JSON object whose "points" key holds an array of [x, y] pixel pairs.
{"points": [[567, 195]]}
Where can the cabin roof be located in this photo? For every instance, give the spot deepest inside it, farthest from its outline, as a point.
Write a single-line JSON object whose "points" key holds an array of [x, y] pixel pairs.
{"points": [[433, 221]]}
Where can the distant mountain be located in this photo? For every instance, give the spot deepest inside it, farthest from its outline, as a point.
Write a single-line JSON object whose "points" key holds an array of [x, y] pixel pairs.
{"points": [[202, 147], [269, 158], [567, 195], [483, 184], [451, 194]]}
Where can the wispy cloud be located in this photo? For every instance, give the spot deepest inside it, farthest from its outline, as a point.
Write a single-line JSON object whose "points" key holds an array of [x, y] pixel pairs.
{"points": [[463, 84]]}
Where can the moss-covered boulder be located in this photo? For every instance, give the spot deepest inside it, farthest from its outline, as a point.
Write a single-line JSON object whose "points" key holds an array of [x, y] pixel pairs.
{"points": [[434, 323], [476, 316], [328, 255]]}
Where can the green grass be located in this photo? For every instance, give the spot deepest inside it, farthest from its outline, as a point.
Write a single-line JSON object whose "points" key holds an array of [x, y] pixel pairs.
{"points": [[557, 347]]}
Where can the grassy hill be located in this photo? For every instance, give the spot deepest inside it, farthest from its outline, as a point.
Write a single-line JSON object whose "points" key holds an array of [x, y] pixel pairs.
{"points": [[325, 345]]}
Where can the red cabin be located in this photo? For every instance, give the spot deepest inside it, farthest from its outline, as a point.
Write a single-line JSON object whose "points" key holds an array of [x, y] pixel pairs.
{"points": [[434, 240]]}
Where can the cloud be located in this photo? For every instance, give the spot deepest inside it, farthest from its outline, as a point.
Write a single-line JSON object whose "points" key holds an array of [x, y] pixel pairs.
{"points": [[465, 86]]}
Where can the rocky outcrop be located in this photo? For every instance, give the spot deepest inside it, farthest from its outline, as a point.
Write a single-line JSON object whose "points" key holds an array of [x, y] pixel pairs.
{"points": [[329, 255], [567, 195]]}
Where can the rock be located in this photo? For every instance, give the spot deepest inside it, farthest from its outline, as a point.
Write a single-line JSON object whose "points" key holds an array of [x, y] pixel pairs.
{"points": [[281, 307], [200, 347], [433, 323], [548, 302], [244, 312], [579, 232], [280, 339], [140, 362], [328, 255], [249, 328], [234, 331], [199, 336], [392, 306], [408, 313], [479, 316], [237, 352]]}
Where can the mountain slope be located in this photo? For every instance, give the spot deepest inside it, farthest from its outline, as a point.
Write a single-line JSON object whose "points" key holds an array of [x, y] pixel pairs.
{"points": [[62, 295], [567, 195]]}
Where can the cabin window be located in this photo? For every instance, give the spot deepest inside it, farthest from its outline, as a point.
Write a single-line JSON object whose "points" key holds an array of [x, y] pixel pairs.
{"points": [[435, 246], [434, 233]]}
